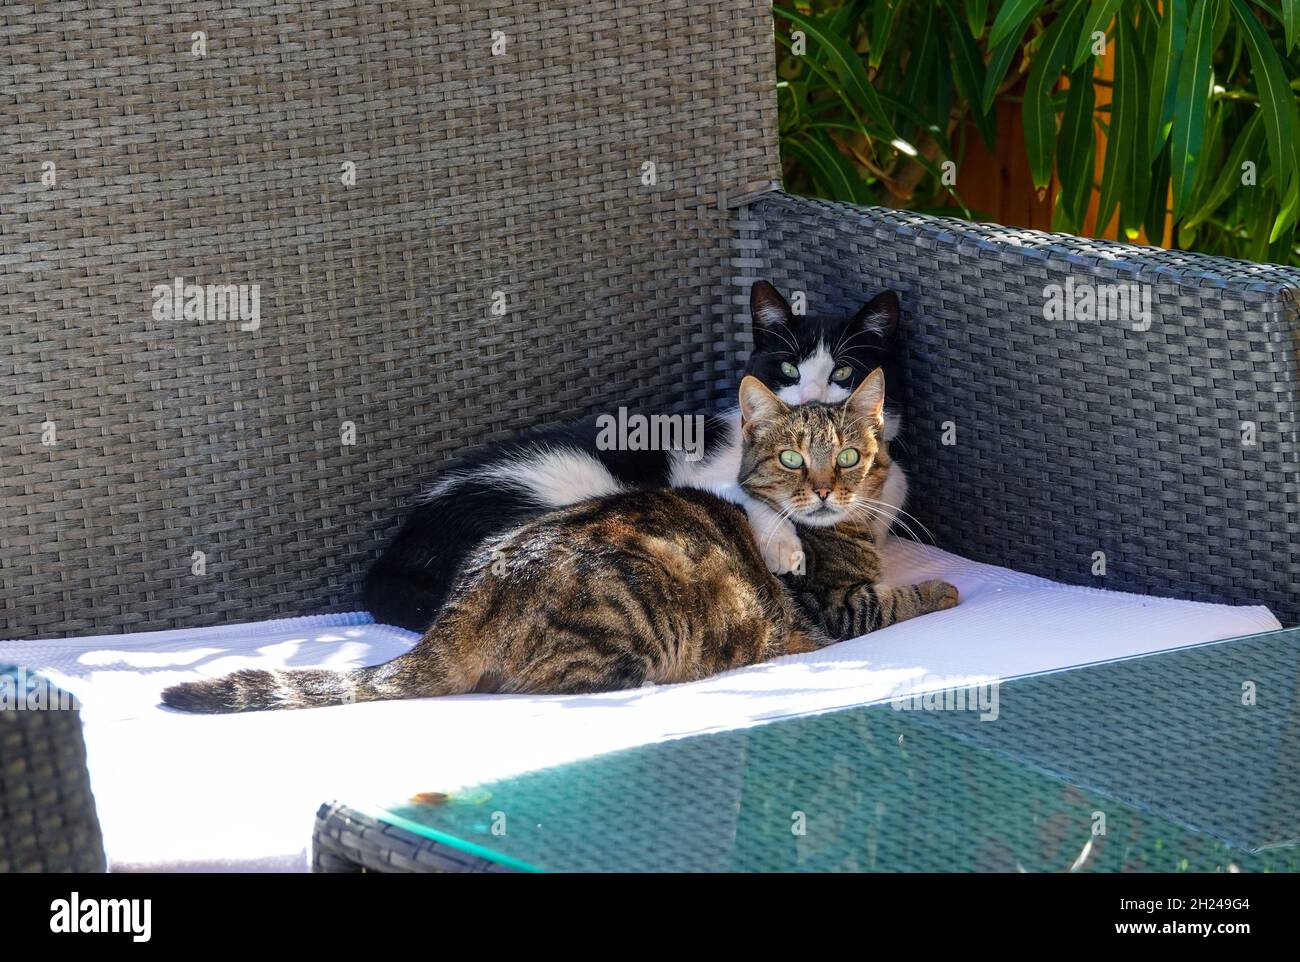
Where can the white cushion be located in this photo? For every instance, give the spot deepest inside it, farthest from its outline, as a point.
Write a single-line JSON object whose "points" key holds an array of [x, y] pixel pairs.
{"points": [[178, 791]]}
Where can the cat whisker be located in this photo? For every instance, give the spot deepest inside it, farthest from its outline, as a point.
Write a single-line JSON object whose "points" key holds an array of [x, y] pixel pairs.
{"points": [[783, 515], [902, 515], [852, 423], [919, 523], [871, 507], [875, 510], [898, 442], [861, 508], [842, 344], [785, 337], [845, 332]]}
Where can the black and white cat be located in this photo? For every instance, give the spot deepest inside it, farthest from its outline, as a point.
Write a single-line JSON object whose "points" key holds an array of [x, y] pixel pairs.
{"points": [[802, 359]]}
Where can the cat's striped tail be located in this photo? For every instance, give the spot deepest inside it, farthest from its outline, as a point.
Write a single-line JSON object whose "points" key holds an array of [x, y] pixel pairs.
{"points": [[252, 690]]}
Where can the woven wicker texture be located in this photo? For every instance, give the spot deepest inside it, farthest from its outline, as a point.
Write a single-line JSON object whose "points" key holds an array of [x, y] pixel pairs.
{"points": [[345, 840], [474, 173], [1138, 765], [1171, 733], [47, 813], [1072, 436]]}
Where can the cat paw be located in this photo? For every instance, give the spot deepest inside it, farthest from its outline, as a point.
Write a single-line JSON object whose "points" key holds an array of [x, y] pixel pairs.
{"points": [[938, 595], [782, 550]]}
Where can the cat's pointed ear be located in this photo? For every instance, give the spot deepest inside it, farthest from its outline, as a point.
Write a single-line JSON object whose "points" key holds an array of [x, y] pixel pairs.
{"points": [[769, 312], [757, 403], [880, 314], [868, 401]]}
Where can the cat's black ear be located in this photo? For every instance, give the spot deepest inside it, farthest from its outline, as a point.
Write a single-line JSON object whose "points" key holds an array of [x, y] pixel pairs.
{"points": [[880, 314], [757, 403], [769, 312]]}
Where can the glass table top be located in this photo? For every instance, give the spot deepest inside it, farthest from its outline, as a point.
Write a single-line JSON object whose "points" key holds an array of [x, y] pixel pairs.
{"points": [[1181, 761]]}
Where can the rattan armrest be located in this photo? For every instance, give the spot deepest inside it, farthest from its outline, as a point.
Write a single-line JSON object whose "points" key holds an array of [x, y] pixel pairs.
{"points": [[1171, 450], [47, 812]]}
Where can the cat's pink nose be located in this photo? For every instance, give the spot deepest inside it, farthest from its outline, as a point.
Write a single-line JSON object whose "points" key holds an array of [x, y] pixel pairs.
{"points": [[823, 493]]}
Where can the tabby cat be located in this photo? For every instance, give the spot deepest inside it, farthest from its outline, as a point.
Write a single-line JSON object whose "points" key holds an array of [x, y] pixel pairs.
{"points": [[803, 359], [642, 586]]}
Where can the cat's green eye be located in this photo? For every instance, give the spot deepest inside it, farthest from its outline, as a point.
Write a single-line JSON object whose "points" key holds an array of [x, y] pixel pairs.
{"points": [[789, 370], [791, 459], [842, 373], [848, 457]]}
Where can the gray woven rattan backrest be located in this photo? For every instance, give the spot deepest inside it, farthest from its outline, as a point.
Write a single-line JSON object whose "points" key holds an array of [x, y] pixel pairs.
{"points": [[1074, 437], [128, 444]]}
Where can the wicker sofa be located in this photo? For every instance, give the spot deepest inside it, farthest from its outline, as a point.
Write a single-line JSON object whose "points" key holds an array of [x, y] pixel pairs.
{"points": [[388, 182]]}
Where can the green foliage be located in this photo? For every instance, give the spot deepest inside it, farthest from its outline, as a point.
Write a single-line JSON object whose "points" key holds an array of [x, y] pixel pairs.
{"points": [[878, 96]]}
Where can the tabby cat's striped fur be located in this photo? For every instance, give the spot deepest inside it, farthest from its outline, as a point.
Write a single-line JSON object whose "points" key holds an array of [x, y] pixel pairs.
{"points": [[646, 586], [836, 509]]}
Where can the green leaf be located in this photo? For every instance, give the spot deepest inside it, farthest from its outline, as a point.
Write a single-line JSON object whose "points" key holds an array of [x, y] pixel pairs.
{"points": [[1126, 173], [846, 169], [1245, 147], [841, 21], [1039, 113], [810, 164], [1039, 120], [1256, 247], [942, 65], [1221, 24], [921, 67], [1283, 250], [1291, 22], [1283, 234], [831, 169], [1210, 166], [847, 66], [1276, 98], [977, 16], [1194, 76], [968, 71], [1157, 197], [1000, 61], [830, 105], [1287, 216], [1099, 16], [1133, 196], [883, 18], [838, 24], [1075, 157], [1250, 206], [1012, 14], [904, 110], [1164, 72]]}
